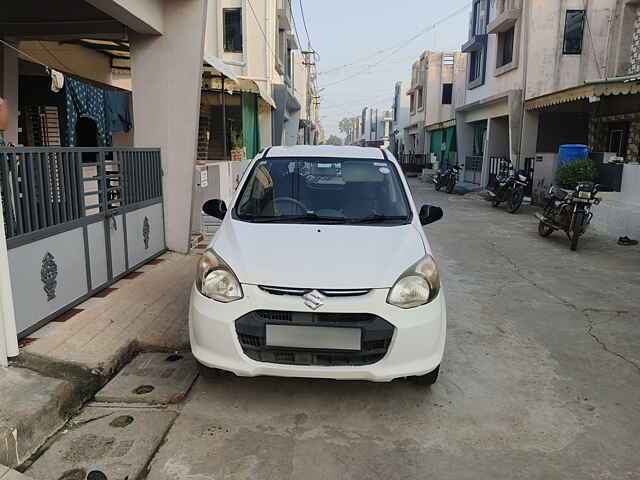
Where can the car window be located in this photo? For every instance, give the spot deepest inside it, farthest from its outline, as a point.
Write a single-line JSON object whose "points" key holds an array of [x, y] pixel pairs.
{"points": [[323, 190]]}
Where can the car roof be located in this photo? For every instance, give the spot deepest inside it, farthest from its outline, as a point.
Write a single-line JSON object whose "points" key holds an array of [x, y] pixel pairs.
{"points": [[325, 151]]}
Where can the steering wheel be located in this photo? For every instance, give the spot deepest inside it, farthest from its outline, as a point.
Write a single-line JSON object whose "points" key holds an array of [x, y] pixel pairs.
{"points": [[283, 206]]}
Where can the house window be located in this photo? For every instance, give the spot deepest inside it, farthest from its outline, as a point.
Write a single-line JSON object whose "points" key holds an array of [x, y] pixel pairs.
{"points": [[447, 93], [505, 47], [475, 65], [447, 60], [479, 17], [232, 30], [420, 98], [412, 101], [573, 32]]}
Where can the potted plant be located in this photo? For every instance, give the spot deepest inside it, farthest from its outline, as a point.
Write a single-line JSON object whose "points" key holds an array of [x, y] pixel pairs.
{"points": [[571, 173], [237, 146]]}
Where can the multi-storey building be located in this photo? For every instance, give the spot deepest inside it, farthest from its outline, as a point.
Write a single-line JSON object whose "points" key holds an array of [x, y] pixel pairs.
{"points": [[544, 74]]}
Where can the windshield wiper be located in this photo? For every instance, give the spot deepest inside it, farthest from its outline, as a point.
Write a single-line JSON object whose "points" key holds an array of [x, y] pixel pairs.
{"points": [[377, 218], [309, 217]]}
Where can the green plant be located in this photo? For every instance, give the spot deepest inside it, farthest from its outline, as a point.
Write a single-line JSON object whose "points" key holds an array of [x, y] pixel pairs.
{"points": [[237, 140], [569, 174]]}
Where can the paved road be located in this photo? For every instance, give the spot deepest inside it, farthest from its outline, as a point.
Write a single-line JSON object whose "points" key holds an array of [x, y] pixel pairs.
{"points": [[540, 380]]}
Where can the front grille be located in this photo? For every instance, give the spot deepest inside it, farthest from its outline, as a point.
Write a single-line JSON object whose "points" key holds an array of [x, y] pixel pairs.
{"points": [[326, 292], [376, 338]]}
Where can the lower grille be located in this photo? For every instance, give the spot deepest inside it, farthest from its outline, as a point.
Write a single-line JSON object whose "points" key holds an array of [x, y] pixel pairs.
{"points": [[376, 338]]}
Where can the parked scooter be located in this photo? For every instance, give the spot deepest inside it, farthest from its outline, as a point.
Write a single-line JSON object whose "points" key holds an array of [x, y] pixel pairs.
{"points": [[508, 187], [447, 179], [568, 211]]}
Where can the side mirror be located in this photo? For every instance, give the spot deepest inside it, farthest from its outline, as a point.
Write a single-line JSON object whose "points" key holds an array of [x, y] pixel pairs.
{"points": [[215, 208], [429, 214]]}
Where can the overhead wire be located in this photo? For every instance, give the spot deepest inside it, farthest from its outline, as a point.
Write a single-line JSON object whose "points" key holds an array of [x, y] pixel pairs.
{"points": [[403, 44]]}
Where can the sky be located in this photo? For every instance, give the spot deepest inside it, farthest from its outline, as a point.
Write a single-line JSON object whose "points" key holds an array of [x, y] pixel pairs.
{"points": [[377, 35]]}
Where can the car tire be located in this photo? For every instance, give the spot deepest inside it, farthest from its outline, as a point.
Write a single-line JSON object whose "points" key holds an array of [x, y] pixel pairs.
{"points": [[428, 379], [208, 372]]}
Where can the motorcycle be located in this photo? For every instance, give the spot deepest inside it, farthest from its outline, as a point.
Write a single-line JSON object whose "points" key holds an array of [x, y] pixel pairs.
{"points": [[447, 179], [508, 188], [568, 211]]}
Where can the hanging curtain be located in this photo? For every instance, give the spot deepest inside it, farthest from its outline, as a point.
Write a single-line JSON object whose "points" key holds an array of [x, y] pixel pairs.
{"points": [[250, 126], [479, 132], [84, 100], [436, 141]]}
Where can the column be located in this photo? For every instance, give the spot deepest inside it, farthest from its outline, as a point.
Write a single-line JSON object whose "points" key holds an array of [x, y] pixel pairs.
{"points": [[167, 75]]}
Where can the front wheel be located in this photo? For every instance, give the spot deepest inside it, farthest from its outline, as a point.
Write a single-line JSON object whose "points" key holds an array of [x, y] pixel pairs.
{"points": [[544, 229], [576, 230], [428, 379], [516, 200], [437, 184], [451, 185]]}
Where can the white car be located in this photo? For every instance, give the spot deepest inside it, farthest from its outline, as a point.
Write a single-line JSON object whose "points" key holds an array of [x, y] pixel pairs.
{"points": [[320, 268]]}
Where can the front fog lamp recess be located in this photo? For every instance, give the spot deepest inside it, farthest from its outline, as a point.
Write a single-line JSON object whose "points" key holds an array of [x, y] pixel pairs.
{"points": [[418, 285]]}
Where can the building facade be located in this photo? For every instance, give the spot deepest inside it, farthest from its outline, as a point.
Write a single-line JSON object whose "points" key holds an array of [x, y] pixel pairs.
{"points": [[544, 74]]}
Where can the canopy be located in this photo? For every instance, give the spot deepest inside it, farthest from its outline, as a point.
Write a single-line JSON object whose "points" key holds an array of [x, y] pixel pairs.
{"points": [[219, 65], [614, 86]]}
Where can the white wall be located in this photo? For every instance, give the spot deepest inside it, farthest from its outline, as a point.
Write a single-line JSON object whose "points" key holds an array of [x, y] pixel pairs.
{"points": [[167, 73], [142, 16]]}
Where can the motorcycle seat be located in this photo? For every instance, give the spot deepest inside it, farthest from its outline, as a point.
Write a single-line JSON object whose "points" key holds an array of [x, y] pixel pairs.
{"points": [[557, 193]]}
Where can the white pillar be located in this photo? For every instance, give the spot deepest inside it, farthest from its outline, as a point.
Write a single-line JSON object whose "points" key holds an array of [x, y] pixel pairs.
{"points": [[8, 334], [167, 75]]}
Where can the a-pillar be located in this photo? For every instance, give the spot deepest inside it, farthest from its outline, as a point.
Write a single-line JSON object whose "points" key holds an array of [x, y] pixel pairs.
{"points": [[167, 75]]}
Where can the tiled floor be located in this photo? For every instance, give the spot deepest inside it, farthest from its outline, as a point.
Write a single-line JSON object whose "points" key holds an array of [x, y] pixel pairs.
{"points": [[149, 309]]}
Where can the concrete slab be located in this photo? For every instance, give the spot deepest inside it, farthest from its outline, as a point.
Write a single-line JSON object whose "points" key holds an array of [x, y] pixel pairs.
{"points": [[32, 408], [117, 442], [147, 313], [3, 470], [155, 378]]}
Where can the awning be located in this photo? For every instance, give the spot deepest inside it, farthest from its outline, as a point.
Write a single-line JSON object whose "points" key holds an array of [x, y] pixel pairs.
{"points": [[615, 86], [219, 65], [247, 84]]}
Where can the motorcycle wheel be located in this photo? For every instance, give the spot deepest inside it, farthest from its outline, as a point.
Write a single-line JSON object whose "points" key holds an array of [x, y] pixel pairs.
{"points": [[577, 231], [544, 230], [495, 203], [451, 185], [516, 200], [437, 184]]}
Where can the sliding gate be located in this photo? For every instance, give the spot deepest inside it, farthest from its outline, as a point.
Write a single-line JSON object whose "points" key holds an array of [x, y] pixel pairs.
{"points": [[76, 221]]}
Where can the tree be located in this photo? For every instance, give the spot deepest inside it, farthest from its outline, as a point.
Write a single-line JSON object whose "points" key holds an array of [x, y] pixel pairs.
{"points": [[345, 126], [333, 140]]}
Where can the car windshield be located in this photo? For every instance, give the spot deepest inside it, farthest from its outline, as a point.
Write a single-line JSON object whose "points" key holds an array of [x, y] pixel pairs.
{"points": [[323, 190]]}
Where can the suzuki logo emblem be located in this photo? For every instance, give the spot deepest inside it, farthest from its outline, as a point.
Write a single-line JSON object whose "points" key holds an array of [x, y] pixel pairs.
{"points": [[313, 299]]}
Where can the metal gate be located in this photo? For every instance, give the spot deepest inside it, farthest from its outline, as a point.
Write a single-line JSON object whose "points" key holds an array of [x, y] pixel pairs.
{"points": [[76, 221], [473, 169]]}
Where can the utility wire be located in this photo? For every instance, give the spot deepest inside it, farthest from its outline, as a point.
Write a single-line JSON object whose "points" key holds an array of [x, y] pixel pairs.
{"points": [[399, 46], [295, 27], [304, 21], [266, 39]]}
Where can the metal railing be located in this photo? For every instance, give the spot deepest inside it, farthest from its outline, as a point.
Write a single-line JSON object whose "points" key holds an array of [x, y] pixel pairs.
{"points": [[413, 162], [47, 187]]}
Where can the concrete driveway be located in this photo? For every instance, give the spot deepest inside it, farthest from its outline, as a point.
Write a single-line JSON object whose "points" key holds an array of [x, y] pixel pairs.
{"points": [[540, 380]]}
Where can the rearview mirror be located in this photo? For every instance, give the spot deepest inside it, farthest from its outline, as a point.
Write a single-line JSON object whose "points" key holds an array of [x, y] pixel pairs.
{"points": [[215, 208], [429, 214]]}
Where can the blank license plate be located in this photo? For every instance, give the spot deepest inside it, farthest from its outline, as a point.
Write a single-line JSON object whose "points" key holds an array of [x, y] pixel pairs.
{"points": [[313, 337]]}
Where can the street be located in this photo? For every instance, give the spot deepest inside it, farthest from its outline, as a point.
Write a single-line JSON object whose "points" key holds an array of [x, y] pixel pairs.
{"points": [[540, 379]]}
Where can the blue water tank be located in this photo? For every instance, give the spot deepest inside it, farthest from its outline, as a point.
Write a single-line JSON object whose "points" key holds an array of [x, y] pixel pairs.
{"points": [[569, 153]]}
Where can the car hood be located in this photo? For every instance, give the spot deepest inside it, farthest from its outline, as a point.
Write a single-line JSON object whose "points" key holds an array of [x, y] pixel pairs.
{"points": [[318, 256]]}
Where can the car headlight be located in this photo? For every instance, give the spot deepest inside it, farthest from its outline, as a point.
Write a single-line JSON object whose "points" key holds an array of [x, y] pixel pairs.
{"points": [[418, 285], [216, 280]]}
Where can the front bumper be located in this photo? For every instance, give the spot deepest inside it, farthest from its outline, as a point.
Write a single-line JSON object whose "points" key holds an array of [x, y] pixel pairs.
{"points": [[416, 347]]}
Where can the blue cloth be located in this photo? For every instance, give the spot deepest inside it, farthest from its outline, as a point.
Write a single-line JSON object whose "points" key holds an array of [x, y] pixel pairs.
{"points": [[84, 100], [116, 105]]}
